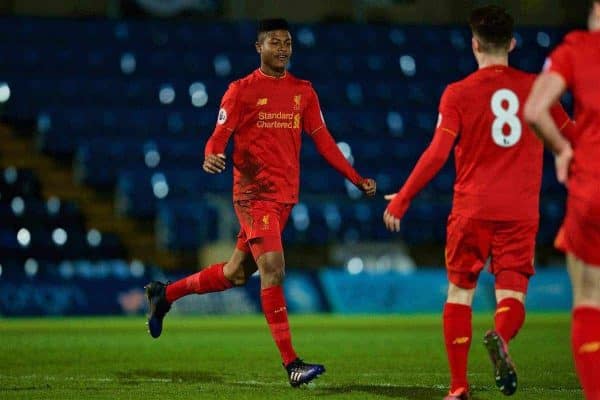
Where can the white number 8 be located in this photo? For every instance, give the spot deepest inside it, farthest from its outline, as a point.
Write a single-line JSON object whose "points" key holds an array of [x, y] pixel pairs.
{"points": [[506, 116]]}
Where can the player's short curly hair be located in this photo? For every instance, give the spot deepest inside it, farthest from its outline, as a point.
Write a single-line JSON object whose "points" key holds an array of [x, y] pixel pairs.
{"points": [[493, 26], [271, 24]]}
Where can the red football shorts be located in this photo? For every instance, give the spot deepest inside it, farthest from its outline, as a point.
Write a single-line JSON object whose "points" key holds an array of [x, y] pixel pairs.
{"points": [[509, 245], [261, 224], [580, 231]]}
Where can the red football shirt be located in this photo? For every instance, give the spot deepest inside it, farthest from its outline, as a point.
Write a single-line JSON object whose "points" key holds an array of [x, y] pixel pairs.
{"points": [[266, 116], [498, 158], [577, 60]]}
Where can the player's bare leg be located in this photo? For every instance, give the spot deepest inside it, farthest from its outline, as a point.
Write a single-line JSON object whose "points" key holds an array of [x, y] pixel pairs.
{"points": [[585, 333], [215, 278], [457, 337], [272, 270], [509, 317]]}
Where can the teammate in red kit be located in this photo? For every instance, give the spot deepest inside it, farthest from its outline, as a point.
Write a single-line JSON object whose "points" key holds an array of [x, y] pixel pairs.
{"points": [[266, 113], [494, 216], [575, 65]]}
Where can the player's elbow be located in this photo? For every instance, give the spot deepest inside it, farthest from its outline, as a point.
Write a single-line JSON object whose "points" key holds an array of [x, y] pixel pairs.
{"points": [[532, 113]]}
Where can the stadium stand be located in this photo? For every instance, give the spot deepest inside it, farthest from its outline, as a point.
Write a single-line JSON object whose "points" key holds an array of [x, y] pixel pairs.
{"points": [[131, 103]]}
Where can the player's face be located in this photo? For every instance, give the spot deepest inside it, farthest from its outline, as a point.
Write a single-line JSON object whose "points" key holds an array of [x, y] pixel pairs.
{"points": [[275, 50]]}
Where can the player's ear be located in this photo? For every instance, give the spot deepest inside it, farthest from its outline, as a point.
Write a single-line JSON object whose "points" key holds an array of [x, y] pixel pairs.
{"points": [[258, 46], [512, 45], [475, 45]]}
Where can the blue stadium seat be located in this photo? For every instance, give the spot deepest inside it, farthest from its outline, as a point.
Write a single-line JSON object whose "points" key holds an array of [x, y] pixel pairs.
{"points": [[186, 224]]}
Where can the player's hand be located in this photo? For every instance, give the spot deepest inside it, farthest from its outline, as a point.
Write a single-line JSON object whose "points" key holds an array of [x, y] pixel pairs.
{"points": [[214, 163], [562, 162], [391, 223], [368, 186]]}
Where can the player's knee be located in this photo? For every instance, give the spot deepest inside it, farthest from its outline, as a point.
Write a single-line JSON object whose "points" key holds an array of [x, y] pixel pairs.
{"points": [[502, 294], [234, 272], [588, 291], [458, 295], [272, 275]]}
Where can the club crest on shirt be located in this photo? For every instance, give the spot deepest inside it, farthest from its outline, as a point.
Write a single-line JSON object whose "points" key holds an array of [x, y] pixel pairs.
{"points": [[222, 116], [297, 101], [262, 102], [265, 222]]}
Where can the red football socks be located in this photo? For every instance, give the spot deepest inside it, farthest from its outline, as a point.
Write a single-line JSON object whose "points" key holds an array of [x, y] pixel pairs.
{"points": [[274, 308], [585, 339], [210, 279], [457, 335], [509, 318]]}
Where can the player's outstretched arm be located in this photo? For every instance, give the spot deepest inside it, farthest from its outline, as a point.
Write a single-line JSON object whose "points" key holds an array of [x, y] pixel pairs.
{"points": [[329, 150], [227, 120], [429, 164], [546, 91]]}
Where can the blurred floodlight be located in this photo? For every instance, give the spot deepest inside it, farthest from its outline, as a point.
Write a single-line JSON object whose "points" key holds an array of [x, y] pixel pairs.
{"points": [[300, 217], [10, 175], [152, 158], [355, 265], [306, 37], [137, 268], [23, 237], [31, 267], [408, 65], [59, 236], [199, 99], [4, 92], [166, 94], [543, 39], [44, 122], [395, 123], [160, 188], [128, 63], [94, 237], [222, 65], [53, 205], [17, 205], [197, 87]]}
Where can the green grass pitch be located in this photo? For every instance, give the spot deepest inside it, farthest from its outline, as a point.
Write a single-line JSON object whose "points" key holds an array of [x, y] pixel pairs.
{"points": [[233, 357]]}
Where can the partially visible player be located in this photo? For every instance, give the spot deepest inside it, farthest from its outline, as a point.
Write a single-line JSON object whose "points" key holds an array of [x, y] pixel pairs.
{"points": [[575, 65], [266, 113], [494, 215]]}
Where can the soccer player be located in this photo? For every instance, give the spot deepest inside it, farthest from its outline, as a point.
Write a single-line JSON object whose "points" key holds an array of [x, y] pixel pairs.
{"points": [[575, 65], [494, 216], [266, 113]]}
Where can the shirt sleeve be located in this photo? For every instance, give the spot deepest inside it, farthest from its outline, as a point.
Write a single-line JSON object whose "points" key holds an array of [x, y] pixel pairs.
{"points": [[449, 120], [329, 150], [560, 61], [429, 164], [312, 117], [227, 121], [434, 157]]}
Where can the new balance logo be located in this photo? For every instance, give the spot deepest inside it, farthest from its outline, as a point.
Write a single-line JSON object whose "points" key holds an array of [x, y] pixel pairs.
{"points": [[461, 340], [502, 310], [280, 309], [590, 347], [262, 102]]}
